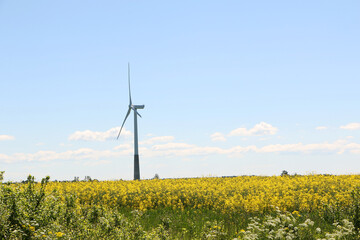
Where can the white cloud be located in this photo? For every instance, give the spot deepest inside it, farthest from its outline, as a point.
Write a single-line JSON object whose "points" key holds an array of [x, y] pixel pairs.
{"points": [[218, 137], [259, 129], [339, 146], [97, 163], [157, 139], [187, 160], [351, 126], [321, 128], [181, 149], [123, 146], [167, 146], [184, 149], [88, 135], [5, 158], [79, 154], [6, 137], [91, 157]]}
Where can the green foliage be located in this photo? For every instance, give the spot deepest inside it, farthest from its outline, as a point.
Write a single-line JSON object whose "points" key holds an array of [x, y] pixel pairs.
{"points": [[355, 196], [28, 211]]}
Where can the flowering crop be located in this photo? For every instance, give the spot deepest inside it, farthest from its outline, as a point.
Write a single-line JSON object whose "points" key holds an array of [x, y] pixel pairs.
{"points": [[311, 207], [247, 193]]}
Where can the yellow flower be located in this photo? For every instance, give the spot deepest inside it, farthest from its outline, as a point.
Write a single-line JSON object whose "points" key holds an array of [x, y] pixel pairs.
{"points": [[296, 213], [59, 234], [226, 195]]}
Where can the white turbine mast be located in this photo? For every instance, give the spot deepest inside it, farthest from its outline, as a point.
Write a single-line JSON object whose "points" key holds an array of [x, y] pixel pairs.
{"points": [[136, 147]]}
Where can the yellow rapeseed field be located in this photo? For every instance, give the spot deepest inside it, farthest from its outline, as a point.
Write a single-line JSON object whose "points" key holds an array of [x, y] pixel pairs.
{"points": [[246, 193]]}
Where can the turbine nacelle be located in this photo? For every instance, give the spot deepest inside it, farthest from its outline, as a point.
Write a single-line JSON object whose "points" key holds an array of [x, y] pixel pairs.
{"points": [[137, 106]]}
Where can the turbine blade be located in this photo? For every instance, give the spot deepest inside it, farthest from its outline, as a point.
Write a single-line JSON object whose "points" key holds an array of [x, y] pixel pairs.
{"points": [[129, 84], [138, 114], [127, 114]]}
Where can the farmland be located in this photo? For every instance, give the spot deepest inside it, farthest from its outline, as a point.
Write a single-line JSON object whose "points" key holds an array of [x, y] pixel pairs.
{"points": [[247, 207]]}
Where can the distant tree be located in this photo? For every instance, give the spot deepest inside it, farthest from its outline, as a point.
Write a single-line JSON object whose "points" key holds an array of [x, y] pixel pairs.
{"points": [[1, 175], [156, 176], [284, 173], [76, 179], [87, 179]]}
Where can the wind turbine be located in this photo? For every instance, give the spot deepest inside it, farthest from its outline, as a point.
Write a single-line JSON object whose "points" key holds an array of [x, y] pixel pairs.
{"points": [[136, 150]]}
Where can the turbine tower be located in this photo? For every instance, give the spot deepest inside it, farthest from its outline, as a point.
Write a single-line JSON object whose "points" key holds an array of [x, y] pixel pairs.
{"points": [[136, 148]]}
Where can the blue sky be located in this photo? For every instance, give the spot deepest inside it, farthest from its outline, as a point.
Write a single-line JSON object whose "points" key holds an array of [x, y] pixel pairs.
{"points": [[229, 87]]}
